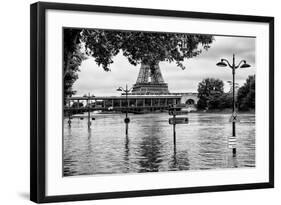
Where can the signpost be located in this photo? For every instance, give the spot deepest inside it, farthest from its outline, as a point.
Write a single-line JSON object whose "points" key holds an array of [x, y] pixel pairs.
{"points": [[232, 140], [173, 110], [178, 120], [234, 118]]}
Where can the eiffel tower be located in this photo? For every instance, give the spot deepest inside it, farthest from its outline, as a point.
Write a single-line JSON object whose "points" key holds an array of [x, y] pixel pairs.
{"points": [[150, 81]]}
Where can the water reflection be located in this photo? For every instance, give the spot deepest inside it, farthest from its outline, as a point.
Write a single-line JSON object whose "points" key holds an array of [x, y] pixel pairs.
{"points": [[174, 161], [150, 147], [179, 160], [232, 162], [127, 154], [201, 144]]}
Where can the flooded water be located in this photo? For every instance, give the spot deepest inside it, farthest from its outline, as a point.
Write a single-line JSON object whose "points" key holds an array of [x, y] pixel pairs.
{"points": [[201, 144]]}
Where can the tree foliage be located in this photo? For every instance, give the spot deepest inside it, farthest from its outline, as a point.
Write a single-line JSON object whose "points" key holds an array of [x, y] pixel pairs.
{"points": [[210, 92], [138, 47], [146, 47], [226, 101], [246, 94], [73, 58]]}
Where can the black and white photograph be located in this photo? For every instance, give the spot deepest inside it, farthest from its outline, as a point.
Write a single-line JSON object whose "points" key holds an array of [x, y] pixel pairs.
{"points": [[134, 102], [145, 101], [140, 102]]}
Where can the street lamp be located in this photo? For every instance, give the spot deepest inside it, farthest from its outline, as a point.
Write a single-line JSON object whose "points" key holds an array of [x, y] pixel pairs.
{"points": [[233, 66], [126, 120], [89, 96]]}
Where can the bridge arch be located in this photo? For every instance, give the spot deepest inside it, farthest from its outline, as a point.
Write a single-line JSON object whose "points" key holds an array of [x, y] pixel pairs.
{"points": [[190, 102], [189, 98]]}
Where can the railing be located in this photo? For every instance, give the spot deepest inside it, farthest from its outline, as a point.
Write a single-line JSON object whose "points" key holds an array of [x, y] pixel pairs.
{"points": [[109, 108]]}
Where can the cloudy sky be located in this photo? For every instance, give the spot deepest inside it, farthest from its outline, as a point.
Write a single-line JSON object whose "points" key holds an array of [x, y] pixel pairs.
{"points": [[92, 79]]}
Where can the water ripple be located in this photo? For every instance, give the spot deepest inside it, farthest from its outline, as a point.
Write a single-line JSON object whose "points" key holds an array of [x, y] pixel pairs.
{"points": [[201, 144]]}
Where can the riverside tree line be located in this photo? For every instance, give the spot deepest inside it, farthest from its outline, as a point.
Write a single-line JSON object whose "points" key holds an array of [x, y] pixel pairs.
{"points": [[212, 96]]}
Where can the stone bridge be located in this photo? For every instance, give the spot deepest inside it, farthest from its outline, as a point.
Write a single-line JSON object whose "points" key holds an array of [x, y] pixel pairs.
{"points": [[188, 98]]}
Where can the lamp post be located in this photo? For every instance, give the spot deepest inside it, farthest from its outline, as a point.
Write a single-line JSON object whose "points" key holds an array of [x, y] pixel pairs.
{"points": [[233, 66], [89, 111], [89, 96], [126, 120]]}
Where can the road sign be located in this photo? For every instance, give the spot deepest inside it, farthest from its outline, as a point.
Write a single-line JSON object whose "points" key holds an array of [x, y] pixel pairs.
{"points": [[178, 120], [178, 112], [234, 118]]}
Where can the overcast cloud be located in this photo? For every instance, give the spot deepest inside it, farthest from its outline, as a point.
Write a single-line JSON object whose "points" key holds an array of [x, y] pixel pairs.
{"points": [[92, 79]]}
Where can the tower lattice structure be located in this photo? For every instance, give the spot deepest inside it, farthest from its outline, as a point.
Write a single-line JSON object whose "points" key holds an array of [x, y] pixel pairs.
{"points": [[150, 81]]}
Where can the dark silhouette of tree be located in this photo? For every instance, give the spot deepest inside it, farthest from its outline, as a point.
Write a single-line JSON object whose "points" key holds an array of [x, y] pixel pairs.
{"points": [[210, 91], [76, 105], [246, 94], [72, 57]]}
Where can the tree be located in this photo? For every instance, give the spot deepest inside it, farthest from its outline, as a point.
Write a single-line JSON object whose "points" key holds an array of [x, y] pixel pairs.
{"points": [[210, 91], [225, 101], [143, 47], [246, 94], [76, 105], [73, 58], [138, 47]]}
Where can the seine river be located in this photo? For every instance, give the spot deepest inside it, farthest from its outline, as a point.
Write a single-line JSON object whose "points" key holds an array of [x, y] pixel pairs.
{"points": [[201, 144]]}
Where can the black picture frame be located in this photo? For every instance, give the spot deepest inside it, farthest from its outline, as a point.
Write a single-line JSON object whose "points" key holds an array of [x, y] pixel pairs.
{"points": [[38, 101]]}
